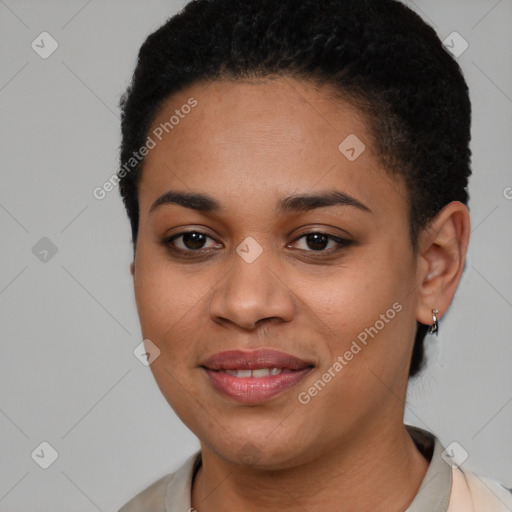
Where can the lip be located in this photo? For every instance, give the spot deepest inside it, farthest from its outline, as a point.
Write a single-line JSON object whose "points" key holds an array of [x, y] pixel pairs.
{"points": [[253, 359], [254, 389]]}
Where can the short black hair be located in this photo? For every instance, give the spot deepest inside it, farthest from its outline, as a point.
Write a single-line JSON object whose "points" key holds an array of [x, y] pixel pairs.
{"points": [[378, 54]]}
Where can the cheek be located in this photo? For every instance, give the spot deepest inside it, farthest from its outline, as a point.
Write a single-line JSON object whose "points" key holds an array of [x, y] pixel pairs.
{"points": [[366, 309], [172, 304], [161, 293], [166, 304], [353, 297]]}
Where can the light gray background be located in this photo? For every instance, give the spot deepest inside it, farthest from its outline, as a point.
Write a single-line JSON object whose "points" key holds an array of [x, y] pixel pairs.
{"points": [[68, 375]]}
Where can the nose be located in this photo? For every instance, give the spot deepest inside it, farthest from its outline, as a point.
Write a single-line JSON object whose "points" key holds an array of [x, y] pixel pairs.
{"points": [[251, 293]]}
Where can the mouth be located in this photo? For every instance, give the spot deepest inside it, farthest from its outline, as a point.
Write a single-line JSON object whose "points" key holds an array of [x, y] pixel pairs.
{"points": [[254, 376]]}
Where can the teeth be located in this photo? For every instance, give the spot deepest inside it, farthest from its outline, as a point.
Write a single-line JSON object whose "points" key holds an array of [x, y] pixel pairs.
{"points": [[259, 372], [262, 372]]}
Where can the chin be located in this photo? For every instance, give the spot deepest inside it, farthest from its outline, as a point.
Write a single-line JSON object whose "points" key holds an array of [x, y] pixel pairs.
{"points": [[258, 449]]}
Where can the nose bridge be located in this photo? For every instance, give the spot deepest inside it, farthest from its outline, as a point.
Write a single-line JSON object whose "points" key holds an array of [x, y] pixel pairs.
{"points": [[251, 291]]}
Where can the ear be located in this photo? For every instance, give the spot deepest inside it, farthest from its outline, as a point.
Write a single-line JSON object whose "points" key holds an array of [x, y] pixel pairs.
{"points": [[132, 268], [442, 248]]}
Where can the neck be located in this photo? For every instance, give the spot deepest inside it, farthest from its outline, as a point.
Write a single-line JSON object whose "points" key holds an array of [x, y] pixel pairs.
{"points": [[380, 470]]}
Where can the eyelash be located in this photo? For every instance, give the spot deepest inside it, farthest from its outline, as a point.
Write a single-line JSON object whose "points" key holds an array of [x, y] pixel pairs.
{"points": [[191, 253]]}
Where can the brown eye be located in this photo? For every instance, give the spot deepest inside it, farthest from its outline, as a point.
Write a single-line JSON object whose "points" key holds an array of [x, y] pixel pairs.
{"points": [[321, 242], [194, 240], [317, 241], [190, 241]]}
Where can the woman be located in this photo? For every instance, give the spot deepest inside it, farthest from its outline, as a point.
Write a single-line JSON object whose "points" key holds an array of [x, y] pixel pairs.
{"points": [[295, 174]]}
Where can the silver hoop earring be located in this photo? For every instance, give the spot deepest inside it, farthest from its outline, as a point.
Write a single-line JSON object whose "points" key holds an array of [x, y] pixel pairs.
{"points": [[434, 327]]}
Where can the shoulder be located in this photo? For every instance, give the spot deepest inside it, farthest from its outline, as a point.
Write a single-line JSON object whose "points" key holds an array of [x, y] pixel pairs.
{"points": [[171, 492], [487, 492], [476, 493], [152, 498]]}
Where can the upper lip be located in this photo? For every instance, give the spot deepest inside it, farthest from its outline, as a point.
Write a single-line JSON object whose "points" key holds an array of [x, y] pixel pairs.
{"points": [[254, 359]]}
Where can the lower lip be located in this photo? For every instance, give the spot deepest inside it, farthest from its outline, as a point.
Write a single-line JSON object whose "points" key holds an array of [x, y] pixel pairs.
{"points": [[252, 390]]}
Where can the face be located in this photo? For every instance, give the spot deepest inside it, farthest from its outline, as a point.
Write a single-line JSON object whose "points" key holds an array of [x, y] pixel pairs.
{"points": [[277, 280]]}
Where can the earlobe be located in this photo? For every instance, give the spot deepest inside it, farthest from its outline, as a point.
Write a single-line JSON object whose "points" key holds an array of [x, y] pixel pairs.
{"points": [[132, 268], [442, 247]]}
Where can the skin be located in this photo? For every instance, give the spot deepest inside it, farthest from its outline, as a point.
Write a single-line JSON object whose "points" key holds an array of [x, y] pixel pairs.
{"points": [[249, 144]]}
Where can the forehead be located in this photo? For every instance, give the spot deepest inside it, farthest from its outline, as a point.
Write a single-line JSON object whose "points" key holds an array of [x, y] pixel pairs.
{"points": [[272, 136]]}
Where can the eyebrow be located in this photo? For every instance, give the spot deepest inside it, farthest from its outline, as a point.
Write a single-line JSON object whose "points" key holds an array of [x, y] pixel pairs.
{"points": [[295, 203]]}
